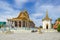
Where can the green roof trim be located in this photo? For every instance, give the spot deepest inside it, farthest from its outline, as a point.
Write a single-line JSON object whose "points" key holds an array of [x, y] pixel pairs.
{"points": [[2, 23]]}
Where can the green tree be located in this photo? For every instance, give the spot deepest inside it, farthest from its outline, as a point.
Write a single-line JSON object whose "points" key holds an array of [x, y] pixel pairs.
{"points": [[58, 19], [58, 28]]}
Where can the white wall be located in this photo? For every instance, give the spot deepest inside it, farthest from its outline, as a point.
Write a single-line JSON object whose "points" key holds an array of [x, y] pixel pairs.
{"points": [[46, 22]]}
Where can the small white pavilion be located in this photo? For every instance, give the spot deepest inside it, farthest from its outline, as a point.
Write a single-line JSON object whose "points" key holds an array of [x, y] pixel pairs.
{"points": [[46, 22]]}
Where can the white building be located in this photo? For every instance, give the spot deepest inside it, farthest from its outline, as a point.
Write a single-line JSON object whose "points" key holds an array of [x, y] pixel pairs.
{"points": [[46, 22]]}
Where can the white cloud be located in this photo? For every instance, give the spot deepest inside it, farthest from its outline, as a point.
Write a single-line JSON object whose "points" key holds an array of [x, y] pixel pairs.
{"points": [[36, 14], [34, 17], [20, 3], [53, 11], [37, 22], [6, 11], [40, 10]]}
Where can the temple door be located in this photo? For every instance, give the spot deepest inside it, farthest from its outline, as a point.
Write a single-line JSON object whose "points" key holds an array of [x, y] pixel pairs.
{"points": [[47, 26]]}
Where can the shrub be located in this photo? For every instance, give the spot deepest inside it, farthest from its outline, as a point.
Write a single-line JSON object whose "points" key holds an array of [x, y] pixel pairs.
{"points": [[58, 19], [58, 28]]}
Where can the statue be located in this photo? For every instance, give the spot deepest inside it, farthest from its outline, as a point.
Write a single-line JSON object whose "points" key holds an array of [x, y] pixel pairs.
{"points": [[39, 30]]}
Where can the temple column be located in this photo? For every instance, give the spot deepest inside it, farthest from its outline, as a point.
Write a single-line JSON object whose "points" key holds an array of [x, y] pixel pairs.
{"points": [[18, 23], [10, 23], [21, 23], [25, 24], [28, 24], [13, 24]]}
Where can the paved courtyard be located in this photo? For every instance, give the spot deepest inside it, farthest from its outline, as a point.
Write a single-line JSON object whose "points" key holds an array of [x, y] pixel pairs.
{"points": [[30, 36]]}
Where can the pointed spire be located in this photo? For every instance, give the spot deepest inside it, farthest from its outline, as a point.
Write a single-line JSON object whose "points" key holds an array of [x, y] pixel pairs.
{"points": [[47, 14], [47, 17]]}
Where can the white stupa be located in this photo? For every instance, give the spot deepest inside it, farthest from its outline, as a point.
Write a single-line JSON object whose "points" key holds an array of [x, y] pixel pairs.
{"points": [[46, 22]]}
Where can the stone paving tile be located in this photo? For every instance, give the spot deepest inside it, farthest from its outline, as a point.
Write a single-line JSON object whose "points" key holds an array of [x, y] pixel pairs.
{"points": [[31, 36]]}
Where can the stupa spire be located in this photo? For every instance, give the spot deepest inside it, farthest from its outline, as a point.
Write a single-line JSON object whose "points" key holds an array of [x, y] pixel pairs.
{"points": [[47, 17], [47, 14]]}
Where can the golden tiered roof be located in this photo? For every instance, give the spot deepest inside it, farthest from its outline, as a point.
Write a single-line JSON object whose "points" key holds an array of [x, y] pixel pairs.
{"points": [[23, 15], [46, 17]]}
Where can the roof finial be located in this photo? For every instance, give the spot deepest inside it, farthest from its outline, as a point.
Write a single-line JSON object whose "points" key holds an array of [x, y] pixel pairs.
{"points": [[46, 13], [46, 17]]}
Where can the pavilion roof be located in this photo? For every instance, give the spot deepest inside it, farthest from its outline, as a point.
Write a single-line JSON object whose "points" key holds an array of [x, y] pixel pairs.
{"points": [[46, 17]]}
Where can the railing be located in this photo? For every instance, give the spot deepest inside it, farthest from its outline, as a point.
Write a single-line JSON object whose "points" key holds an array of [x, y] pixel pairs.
{"points": [[16, 28]]}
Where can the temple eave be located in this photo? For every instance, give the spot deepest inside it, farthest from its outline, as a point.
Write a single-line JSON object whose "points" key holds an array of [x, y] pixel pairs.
{"points": [[46, 19]]}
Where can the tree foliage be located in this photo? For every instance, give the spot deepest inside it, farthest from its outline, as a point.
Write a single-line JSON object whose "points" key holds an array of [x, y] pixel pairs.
{"points": [[58, 28], [58, 19]]}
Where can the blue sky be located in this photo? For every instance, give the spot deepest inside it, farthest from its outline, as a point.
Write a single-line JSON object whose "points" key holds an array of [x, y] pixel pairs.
{"points": [[36, 9]]}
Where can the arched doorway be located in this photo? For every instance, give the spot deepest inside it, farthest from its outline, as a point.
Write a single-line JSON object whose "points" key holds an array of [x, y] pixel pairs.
{"points": [[47, 26]]}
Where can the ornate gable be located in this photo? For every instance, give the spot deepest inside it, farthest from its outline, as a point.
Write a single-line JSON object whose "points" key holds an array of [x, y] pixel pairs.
{"points": [[23, 14]]}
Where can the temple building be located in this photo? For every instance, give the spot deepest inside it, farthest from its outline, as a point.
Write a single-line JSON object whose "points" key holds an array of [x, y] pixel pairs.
{"points": [[46, 22], [22, 20]]}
